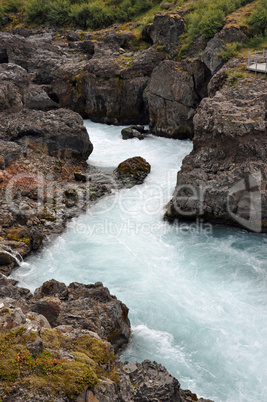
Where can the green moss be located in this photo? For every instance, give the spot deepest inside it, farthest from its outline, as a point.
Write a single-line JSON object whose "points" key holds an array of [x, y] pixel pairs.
{"points": [[94, 349], [18, 234], [83, 358], [51, 338], [48, 216], [233, 77], [48, 372]]}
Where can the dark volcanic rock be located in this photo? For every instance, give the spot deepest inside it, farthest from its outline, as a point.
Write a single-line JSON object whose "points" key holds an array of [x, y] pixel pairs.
{"points": [[212, 55], [84, 306], [132, 171], [222, 180], [8, 289], [160, 387], [13, 83], [14, 73], [173, 94], [37, 98], [10, 151], [133, 132], [165, 30], [113, 93], [60, 133], [230, 34], [89, 76], [147, 381]]}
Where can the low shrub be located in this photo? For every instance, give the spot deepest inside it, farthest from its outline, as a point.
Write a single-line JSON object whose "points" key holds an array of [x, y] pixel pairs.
{"points": [[231, 50], [12, 6], [84, 14], [258, 19], [37, 11], [233, 77], [207, 17], [1, 14], [58, 12]]}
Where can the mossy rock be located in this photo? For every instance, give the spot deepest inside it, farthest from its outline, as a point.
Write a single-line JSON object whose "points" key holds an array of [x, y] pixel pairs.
{"points": [[133, 171], [46, 371], [19, 234], [46, 215], [95, 349]]}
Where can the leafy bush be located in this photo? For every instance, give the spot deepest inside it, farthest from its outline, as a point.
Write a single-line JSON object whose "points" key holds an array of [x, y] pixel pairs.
{"points": [[126, 11], [37, 10], [94, 15], [230, 51], [12, 6], [84, 14], [211, 22], [256, 42], [1, 14], [80, 14], [258, 19], [207, 17], [100, 15], [233, 77], [58, 12], [142, 6]]}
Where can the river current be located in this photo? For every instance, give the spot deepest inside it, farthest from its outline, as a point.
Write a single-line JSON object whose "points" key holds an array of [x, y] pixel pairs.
{"points": [[197, 294]]}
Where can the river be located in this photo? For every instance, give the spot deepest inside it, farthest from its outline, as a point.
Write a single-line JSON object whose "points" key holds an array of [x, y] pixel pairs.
{"points": [[197, 294]]}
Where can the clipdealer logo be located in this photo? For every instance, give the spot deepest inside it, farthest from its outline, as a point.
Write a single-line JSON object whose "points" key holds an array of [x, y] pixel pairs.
{"points": [[244, 202]]}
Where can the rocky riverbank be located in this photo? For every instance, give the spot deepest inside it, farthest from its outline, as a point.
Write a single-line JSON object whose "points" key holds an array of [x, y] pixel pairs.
{"points": [[223, 180], [49, 81], [59, 343], [44, 177], [116, 77]]}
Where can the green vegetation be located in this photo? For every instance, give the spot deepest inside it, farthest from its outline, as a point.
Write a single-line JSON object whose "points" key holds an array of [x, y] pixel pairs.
{"points": [[233, 77], [47, 371], [92, 14], [203, 17], [231, 50], [1, 14], [207, 17], [258, 18]]}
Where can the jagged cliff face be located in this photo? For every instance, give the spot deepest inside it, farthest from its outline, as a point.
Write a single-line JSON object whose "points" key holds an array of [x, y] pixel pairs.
{"points": [[62, 340], [224, 178], [104, 78]]}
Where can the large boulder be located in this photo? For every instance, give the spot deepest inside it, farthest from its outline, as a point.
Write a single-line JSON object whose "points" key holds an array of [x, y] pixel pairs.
{"points": [[14, 73], [36, 54], [9, 151], [174, 92], [60, 133], [13, 83], [112, 90], [231, 33], [165, 29], [211, 56], [37, 98], [84, 306], [95, 78], [223, 179], [132, 171]]}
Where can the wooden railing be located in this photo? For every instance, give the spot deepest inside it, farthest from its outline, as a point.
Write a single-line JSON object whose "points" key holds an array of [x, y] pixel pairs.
{"points": [[257, 61]]}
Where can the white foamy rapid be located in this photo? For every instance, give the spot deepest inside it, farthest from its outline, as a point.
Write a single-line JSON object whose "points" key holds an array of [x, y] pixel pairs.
{"points": [[197, 296]]}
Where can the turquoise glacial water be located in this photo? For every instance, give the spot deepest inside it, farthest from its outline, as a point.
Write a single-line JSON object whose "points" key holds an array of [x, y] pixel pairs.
{"points": [[197, 294]]}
